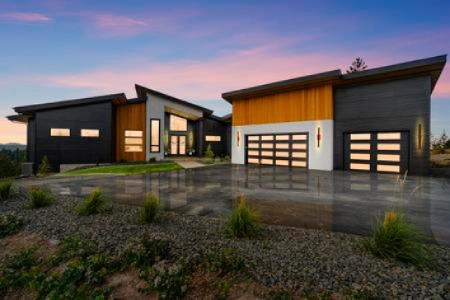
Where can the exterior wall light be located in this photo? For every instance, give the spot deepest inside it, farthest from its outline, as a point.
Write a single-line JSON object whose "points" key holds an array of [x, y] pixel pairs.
{"points": [[238, 138], [419, 136], [318, 137]]}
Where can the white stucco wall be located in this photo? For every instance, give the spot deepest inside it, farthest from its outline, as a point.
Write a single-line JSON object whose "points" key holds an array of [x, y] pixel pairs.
{"points": [[155, 109], [320, 158]]}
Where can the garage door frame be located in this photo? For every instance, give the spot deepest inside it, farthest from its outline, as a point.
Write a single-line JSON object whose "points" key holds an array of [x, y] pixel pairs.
{"points": [[291, 142]]}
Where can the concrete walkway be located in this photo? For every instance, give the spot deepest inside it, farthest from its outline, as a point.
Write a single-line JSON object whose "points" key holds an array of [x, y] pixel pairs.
{"points": [[190, 164]]}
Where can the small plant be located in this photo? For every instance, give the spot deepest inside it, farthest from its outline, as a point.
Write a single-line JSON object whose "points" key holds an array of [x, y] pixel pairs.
{"points": [[170, 281], [150, 210], [209, 154], [9, 224], [16, 270], [39, 197], [146, 252], [74, 247], [45, 168], [94, 204], [395, 238], [243, 221], [225, 261], [5, 190]]}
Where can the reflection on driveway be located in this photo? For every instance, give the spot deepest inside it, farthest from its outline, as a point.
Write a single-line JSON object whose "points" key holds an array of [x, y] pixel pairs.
{"points": [[337, 201]]}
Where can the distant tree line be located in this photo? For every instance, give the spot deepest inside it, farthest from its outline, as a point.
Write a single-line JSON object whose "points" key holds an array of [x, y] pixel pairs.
{"points": [[10, 162]]}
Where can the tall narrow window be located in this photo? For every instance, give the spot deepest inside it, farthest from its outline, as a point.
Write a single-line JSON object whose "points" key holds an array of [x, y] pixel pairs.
{"points": [[154, 135]]}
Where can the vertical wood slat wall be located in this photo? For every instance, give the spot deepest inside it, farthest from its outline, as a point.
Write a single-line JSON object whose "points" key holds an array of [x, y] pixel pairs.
{"points": [[130, 117], [314, 103]]}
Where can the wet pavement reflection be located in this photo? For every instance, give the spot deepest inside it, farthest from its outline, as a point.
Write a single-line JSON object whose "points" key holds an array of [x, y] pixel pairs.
{"points": [[336, 201]]}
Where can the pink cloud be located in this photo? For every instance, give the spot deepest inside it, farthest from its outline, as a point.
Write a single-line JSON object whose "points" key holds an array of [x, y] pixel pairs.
{"points": [[25, 17], [12, 132], [115, 25], [442, 88]]}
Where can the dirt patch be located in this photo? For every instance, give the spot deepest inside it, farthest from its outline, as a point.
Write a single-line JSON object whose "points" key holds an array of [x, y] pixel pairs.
{"points": [[126, 285], [202, 285], [24, 240]]}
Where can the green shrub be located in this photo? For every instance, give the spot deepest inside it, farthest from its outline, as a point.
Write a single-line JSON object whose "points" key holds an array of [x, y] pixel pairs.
{"points": [[395, 238], [243, 221], [170, 281], [5, 190], [226, 261], [9, 224], [209, 154], [39, 197], [94, 204], [71, 247], [45, 167], [146, 252], [150, 210]]}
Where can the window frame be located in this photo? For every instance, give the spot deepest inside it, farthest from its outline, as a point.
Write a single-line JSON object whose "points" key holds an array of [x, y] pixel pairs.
{"points": [[63, 136], [151, 135]]}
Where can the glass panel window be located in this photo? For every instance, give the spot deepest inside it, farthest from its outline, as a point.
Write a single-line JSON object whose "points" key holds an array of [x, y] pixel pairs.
{"points": [[282, 146], [266, 153], [360, 146], [253, 138], [282, 154], [213, 138], [282, 137], [281, 162], [267, 137], [388, 157], [267, 145], [253, 160], [155, 135], [133, 133], [253, 152], [177, 123], [299, 146], [364, 167], [299, 137], [265, 161], [133, 148], [59, 132], [389, 136], [388, 146], [299, 154], [299, 163], [360, 136], [133, 141], [388, 168], [253, 145], [94, 133], [360, 156]]}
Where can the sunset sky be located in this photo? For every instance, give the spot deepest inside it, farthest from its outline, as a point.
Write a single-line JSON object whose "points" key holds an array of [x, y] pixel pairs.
{"points": [[55, 50]]}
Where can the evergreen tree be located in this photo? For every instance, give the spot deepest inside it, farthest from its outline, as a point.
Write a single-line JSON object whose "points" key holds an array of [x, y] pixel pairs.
{"points": [[358, 65]]}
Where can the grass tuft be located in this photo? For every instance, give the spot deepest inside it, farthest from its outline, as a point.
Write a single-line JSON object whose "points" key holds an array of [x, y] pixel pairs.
{"points": [[395, 238], [39, 197], [5, 190], [150, 210], [243, 221], [95, 203]]}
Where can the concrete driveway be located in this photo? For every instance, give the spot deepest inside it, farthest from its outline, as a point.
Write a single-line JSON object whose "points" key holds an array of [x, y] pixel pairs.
{"points": [[338, 201]]}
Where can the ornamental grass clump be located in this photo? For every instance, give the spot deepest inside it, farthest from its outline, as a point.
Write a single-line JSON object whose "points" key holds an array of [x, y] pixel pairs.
{"points": [[5, 190], [95, 203], [396, 238], [243, 221], [151, 209], [40, 197]]}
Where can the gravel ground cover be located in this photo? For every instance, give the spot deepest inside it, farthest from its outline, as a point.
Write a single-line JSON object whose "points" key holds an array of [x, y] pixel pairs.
{"points": [[305, 261]]}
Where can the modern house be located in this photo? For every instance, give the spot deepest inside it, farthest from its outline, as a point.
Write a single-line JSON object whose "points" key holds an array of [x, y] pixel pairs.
{"points": [[376, 120], [112, 128]]}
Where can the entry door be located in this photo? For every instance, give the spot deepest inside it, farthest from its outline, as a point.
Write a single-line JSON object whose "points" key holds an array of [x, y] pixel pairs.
{"points": [[178, 145], [280, 149], [377, 151]]}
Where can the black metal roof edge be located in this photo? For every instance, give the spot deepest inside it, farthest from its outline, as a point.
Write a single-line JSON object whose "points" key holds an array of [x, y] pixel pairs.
{"points": [[66, 103], [285, 83], [142, 90], [440, 59], [217, 118], [227, 116]]}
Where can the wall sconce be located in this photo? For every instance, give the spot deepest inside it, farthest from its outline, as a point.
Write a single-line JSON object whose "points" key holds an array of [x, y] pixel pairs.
{"points": [[419, 136], [238, 138], [318, 137]]}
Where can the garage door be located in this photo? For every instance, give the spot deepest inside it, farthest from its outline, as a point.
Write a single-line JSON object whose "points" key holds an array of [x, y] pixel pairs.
{"points": [[377, 151], [284, 149]]}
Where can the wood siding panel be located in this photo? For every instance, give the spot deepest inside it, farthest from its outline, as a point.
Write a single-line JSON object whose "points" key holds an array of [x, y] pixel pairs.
{"points": [[130, 117], [308, 104]]}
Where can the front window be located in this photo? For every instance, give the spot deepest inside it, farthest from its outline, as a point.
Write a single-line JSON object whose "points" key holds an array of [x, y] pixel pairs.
{"points": [[133, 141], [212, 138], [59, 132], [177, 123]]}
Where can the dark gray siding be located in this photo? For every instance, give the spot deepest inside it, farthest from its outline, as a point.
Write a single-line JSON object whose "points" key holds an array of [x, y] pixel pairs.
{"points": [[75, 149], [31, 137], [398, 105], [217, 128]]}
